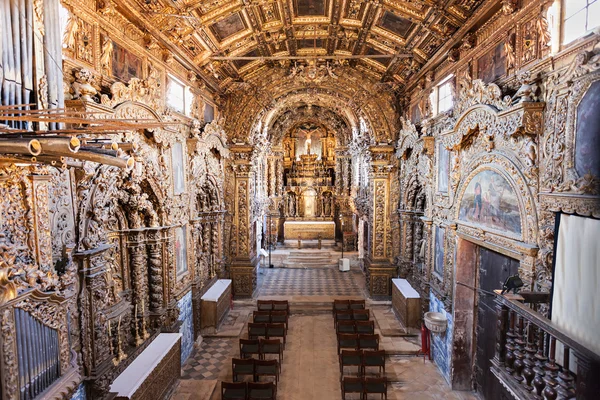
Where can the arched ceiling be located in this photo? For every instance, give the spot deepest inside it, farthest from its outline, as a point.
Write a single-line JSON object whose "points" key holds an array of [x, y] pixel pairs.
{"points": [[204, 29]]}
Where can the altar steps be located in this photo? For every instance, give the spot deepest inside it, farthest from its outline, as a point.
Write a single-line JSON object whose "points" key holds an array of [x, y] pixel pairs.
{"points": [[318, 259]]}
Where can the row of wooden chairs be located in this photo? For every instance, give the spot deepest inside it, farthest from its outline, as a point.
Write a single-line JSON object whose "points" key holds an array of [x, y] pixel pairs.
{"points": [[363, 359], [362, 327], [364, 387], [339, 305], [273, 305], [268, 331], [271, 317], [256, 368], [352, 315], [248, 391], [261, 348], [355, 341]]}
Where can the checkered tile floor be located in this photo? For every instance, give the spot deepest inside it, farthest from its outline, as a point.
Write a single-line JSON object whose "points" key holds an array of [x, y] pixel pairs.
{"points": [[311, 282], [212, 361]]}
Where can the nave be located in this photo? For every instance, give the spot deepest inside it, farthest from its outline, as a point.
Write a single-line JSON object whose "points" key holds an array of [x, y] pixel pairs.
{"points": [[310, 369]]}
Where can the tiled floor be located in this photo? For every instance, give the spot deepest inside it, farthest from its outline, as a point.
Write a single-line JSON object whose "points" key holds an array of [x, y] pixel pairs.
{"points": [[311, 282], [310, 370]]}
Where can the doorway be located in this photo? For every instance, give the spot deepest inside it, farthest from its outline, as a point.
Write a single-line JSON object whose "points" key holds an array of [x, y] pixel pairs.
{"points": [[494, 268]]}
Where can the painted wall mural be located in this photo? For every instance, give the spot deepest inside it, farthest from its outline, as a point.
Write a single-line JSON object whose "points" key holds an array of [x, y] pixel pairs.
{"points": [[492, 65], [491, 201], [587, 142]]}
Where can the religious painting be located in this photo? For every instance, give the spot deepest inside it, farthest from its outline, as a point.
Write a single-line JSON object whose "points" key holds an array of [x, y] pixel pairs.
{"points": [[395, 24], [228, 26], [438, 261], [373, 52], [490, 200], [180, 250], [242, 63], [492, 65], [587, 139], [309, 43], [177, 165], [125, 64], [310, 7], [443, 166]]}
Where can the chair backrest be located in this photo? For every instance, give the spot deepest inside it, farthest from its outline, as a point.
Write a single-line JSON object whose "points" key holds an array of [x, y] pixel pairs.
{"points": [[365, 327], [266, 363], [357, 304], [353, 385], [257, 329], [348, 340], [275, 330], [343, 315], [341, 305], [265, 389], [281, 305], [236, 362], [261, 316], [270, 342], [374, 357], [264, 305], [376, 385], [351, 357], [361, 315], [248, 342], [241, 386], [368, 342], [344, 326]]}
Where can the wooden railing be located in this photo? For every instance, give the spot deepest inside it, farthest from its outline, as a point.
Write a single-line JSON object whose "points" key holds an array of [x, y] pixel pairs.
{"points": [[526, 355]]}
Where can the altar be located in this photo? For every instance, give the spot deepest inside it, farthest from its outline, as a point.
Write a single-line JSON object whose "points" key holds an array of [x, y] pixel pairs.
{"points": [[309, 230]]}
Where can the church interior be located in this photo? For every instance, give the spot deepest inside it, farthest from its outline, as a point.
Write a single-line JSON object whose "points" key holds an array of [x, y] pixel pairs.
{"points": [[299, 199]]}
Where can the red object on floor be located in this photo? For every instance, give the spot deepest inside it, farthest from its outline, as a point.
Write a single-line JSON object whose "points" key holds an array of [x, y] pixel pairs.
{"points": [[425, 342]]}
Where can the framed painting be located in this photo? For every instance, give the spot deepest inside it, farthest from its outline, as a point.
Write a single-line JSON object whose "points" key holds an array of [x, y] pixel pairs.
{"points": [[490, 200], [178, 169], [492, 65], [438, 261], [181, 249], [587, 136], [125, 64]]}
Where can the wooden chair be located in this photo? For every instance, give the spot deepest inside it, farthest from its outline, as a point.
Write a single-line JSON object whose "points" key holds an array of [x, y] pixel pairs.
{"points": [[351, 358], [261, 317], [361, 315], [281, 305], [234, 391], [261, 391], [339, 305], [374, 358], [276, 331], [357, 304], [264, 305], [266, 368], [280, 317], [375, 386], [352, 385], [271, 346], [365, 327], [242, 366], [256, 330], [346, 327], [347, 341], [368, 342], [248, 347], [343, 315]]}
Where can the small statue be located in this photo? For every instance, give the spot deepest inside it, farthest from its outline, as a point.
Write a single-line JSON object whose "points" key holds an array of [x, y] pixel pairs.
{"points": [[82, 86]]}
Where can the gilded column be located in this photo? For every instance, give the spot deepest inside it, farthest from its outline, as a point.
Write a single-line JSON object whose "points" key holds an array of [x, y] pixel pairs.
{"points": [[380, 269], [243, 260]]}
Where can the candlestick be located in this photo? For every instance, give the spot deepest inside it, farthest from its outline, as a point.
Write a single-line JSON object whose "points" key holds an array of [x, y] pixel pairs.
{"points": [[109, 333], [119, 325], [135, 314]]}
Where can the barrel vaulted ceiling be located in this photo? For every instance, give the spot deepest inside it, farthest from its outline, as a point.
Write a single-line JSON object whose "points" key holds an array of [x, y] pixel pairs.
{"points": [[224, 28]]}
